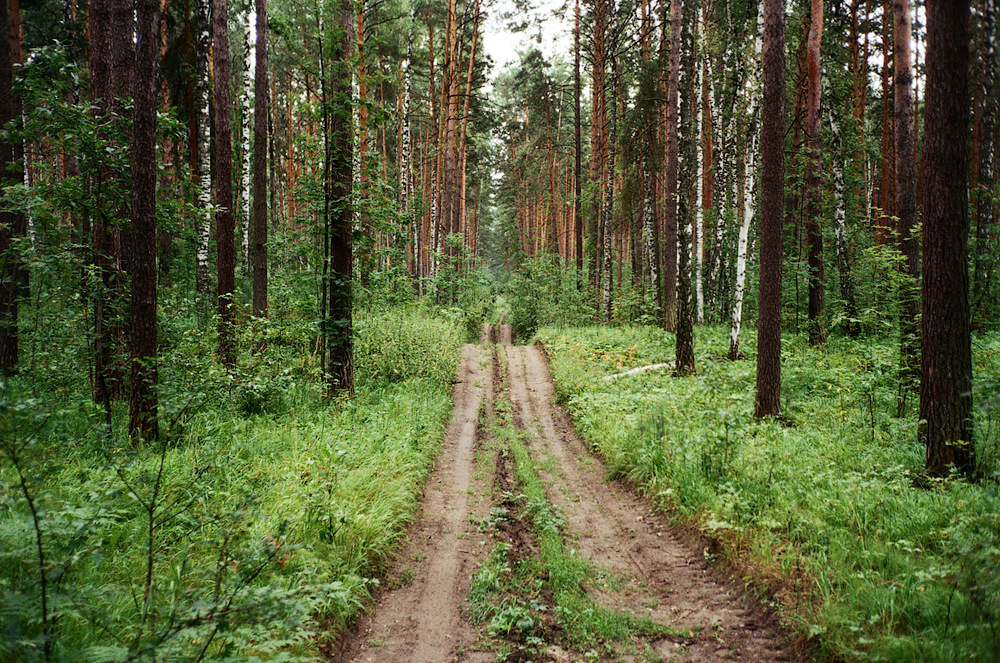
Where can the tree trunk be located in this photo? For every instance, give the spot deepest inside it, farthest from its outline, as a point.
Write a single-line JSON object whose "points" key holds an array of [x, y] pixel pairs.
{"points": [[904, 186], [260, 166], [246, 111], [984, 295], [814, 180], [687, 180], [13, 276], [670, 240], [946, 360], [224, 225], [577, 150], [749, 188], [768, 397], [840, 229], [340, 346], [203, 279], [598, 138], [142, 154]]}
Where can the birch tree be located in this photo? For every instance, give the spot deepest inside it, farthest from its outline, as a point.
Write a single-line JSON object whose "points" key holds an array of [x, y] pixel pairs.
{"points": [[203, 88], [753, 123], [246, 122]]}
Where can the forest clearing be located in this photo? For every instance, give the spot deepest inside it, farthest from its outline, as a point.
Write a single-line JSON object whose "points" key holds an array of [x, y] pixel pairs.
{"points": [[499, 330]]}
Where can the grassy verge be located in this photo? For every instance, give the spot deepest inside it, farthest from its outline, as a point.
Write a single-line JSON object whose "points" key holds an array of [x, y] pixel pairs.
{"points": [[254, 530], [829, 510]]}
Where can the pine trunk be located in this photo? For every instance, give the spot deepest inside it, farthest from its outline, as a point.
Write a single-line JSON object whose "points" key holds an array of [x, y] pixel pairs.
{"points": [[946, 359], [814, 180], [768, 396], [13, 276], [339, 323], [143, 425], [904, 186], [224, 224], [670, 170]]}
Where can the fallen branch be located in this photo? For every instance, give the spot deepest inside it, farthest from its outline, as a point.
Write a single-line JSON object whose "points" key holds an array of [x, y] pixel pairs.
{"points": [[634, 371]]}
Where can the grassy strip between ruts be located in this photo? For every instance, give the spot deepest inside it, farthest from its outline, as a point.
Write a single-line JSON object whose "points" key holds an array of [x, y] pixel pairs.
{"points": [[827, 510], [532, 589], [254, 531]]}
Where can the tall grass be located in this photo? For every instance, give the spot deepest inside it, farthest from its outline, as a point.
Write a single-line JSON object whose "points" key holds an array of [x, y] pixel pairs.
{"points": [[829, 509], [254, 530]]}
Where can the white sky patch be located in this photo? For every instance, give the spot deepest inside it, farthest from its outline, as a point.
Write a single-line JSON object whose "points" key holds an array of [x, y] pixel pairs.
{"points": [[547, 32]]}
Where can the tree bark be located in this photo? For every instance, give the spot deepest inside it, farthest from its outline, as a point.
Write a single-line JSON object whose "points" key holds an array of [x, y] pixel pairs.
{"points": [[577, 150], [13, 225], [749, 187], [814, 180], [260, 166], [840, 229], [246, 123], [946, 360], [768, 397], [143, 423], [984, 295], [670, 239], [203, 86], [687, 180], [904, 186], [339, 323], [224, 224]]}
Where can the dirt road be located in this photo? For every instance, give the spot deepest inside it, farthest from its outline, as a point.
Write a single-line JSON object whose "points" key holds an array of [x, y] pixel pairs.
{"points": [[658, 575]]}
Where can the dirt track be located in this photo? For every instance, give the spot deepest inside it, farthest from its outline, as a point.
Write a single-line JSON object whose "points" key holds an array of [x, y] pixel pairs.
{"points": [[420, 617]]}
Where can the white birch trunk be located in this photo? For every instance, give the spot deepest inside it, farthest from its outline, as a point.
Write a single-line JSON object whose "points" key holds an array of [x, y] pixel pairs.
{"points": [[749, 188], [698, 242], [203, 89], [245, 180]]}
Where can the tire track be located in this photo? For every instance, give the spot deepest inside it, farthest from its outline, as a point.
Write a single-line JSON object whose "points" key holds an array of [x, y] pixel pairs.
{"points": [[661, 576], [423, 621]]}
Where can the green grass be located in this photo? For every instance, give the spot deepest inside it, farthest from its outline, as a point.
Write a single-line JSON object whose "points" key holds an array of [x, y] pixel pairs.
{"points": [[828, 509], [273, 512]]}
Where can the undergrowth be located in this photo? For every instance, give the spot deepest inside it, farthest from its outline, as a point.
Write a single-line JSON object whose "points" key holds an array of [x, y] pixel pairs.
{"points": [[254, 529], [828, 509]]}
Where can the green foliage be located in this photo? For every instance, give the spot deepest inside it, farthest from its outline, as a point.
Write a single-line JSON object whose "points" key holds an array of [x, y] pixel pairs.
{"points": [[830, 508], [544, 293], [253, 530]]}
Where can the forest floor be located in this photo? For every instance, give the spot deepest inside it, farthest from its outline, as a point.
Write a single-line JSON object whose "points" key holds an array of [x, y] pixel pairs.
{"points": [[638, 567]]}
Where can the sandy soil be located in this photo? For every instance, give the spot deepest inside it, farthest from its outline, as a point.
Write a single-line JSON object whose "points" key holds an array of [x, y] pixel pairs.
{"points": [[419, 616]]}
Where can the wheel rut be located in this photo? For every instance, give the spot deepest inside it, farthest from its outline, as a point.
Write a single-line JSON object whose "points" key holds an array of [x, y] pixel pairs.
{"points": [[418, 617], [643, 567]]}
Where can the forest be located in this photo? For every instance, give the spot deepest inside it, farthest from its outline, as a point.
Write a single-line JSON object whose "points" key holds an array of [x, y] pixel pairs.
{"points": [[499, 330]]}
